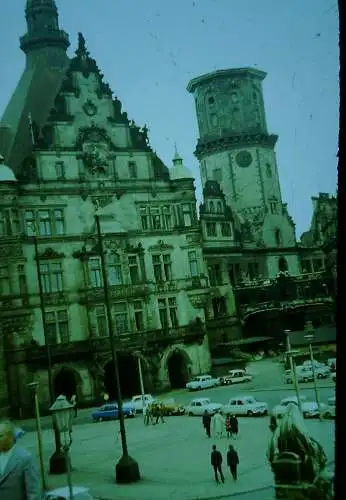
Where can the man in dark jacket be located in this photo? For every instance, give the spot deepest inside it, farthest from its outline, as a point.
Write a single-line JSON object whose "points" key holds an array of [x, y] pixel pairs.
{"points": [[216, 462], [233, 461], [234, 426], [206, 419]]}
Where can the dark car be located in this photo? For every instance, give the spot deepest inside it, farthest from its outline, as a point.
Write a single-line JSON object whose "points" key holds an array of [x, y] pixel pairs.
{"points": [[110, 411]]}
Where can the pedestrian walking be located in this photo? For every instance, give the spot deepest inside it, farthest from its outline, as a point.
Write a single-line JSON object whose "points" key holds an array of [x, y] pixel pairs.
{"points": [[216, 462], [74, 403], [234, 426], [19, 477], [228, 426], [273, 423], [147, 414], [206, 419], [233, 461], [218, 425], [159, 413]]}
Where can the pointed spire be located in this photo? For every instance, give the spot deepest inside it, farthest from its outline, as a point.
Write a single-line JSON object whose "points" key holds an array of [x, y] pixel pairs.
{"points": [[177, 160], [81, 51]]}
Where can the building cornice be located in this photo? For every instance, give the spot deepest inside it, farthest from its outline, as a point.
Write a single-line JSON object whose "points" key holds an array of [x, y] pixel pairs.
{"points": [[217, 144], [231, 72]]}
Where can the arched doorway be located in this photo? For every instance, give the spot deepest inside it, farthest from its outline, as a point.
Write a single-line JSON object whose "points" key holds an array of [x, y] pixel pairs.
{"points": [[177, 370], [283, 267], [65, 383], [128, 374]]}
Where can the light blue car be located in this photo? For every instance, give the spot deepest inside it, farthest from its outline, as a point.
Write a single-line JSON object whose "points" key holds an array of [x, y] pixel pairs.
{"points": [[110, 411]]}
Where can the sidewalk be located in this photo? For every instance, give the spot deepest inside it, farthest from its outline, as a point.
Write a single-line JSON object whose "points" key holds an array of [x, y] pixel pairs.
{"points": [[174, 459]]}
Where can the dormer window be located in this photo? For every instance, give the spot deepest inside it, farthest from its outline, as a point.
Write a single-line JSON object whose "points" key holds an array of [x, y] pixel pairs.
{"points": [[60, 170], [278, 239], [132, 169], [273, 205], [211, 207]]}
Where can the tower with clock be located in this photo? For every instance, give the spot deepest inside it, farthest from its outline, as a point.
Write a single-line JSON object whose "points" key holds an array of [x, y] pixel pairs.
{"points": [[236, 150]]}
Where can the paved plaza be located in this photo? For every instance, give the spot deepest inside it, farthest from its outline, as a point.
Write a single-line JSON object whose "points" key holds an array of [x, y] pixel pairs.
{"points": [[174, 458]]}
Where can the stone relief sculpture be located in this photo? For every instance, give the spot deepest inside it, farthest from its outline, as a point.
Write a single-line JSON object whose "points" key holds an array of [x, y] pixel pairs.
{"points": [[298, 461]]}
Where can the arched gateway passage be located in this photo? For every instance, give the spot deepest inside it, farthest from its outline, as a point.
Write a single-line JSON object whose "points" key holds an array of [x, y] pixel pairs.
{"points": [[128, 374], [65, 383], [177, 370]]}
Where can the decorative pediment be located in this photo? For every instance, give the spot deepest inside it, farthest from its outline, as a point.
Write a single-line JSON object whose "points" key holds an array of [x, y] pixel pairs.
{"points": [[160, 246], [134, 248], [50, 254], [95, 135], [101, 201]]}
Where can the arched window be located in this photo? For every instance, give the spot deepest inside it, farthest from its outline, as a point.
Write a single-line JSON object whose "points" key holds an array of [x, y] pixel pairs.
{"points": [[211, 207], [219, 207], [278, 239]]}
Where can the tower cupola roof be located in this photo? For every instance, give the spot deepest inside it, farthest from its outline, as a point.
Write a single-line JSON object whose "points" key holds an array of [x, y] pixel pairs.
{"points": [[179, 171]]}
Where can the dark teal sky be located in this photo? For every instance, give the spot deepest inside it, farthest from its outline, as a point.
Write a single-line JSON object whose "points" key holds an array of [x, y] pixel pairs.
{"points": [[150, 49]]}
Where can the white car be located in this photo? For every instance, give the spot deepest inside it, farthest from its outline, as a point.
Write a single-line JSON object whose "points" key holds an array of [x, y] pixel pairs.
{"points": [[202, 382], [245, 405], [310, 409], [330, 409], [137, 401], [321, 371], [235, 377], [199, 405]]}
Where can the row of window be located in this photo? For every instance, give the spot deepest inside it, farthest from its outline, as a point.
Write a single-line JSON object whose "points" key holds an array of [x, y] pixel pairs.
{"points": [[234, 272], [45, 222], [53, 281], [57, 323], [167, 216], [211, 229], [60, 170]]}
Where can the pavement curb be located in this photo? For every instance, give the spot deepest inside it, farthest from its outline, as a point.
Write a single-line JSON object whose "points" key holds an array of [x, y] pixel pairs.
{"points": [[288, 388], [238, 494]]}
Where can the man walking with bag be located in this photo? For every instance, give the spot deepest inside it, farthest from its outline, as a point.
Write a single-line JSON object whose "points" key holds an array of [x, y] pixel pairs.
{"points": [[233, 461]]}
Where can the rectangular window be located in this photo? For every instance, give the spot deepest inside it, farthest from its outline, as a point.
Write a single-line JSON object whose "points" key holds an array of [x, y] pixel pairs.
{"points": [[167, 267], [5, 286], [45, 224], [157, 268], [132, 169], [273, 207], [193, 263], [253, 270], [211, 228], [167, 217], [29, 222], [155, 219], [60, 170], [95, 271], [101, 321], [144, 218], [114, 271], [225, 229], [163, 313], [121, 318], [173, 314], [51, 277], [139, 316], [134, 270], [215, 275], [59, 221], [187, 214], [3, 225], [57, 328], [23, 290], [15, 222]]}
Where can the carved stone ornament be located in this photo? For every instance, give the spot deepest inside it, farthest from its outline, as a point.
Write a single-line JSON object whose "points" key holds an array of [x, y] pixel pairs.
{"points": [[101, 201], [160, 245], [89, 108], [12, 251], [243, 159], [50, 253]]}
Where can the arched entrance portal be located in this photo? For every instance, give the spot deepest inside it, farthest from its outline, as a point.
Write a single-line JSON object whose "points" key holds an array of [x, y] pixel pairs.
{"points": [[65, 383], [177, 370], [283, 267], [128, 374]]}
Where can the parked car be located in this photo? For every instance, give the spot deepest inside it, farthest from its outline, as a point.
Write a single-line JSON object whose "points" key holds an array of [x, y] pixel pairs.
{"points": [[310, 409], [170, 407], [199, 405], [330, 409], [235, 377], [304, 375], [202, 382], [245, 405], [110, 411], [305, 372], [137, 402]]}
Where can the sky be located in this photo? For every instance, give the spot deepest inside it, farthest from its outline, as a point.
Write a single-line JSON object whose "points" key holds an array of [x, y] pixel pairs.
{"points": [[148, 51]]}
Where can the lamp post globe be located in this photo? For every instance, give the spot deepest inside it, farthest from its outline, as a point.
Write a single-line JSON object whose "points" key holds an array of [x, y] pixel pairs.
{"points": [[63, 413]]}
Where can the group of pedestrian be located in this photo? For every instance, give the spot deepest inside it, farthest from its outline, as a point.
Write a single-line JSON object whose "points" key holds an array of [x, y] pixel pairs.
{"points": [[217, 425], [154, 413], [232, 463]]}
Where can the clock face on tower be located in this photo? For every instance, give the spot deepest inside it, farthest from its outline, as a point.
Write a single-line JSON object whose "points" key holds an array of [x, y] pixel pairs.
{"points": [[243, 159]]}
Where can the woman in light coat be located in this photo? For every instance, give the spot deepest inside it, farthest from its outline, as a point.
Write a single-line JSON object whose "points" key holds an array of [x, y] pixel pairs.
{"points": [[217, 425]]}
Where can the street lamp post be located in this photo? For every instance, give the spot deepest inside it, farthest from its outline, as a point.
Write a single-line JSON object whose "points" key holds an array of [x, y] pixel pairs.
{"points": [[63, 413], [309, 338], [141, 383], [34, 386], [127, 469], [57, 462], [290, 353]]}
